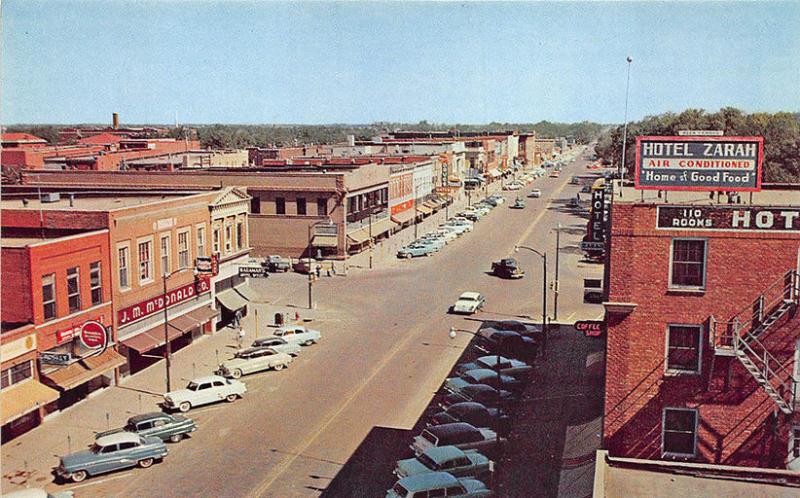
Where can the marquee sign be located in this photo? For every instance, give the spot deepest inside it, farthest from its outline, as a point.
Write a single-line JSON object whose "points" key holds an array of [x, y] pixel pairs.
{"points": [[699, 163], [597, 227], [156, 304], [729, 218], [591, 328]]}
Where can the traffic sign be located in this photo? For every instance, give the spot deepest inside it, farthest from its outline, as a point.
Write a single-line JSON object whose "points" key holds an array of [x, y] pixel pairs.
{"points": [[94, 335]]}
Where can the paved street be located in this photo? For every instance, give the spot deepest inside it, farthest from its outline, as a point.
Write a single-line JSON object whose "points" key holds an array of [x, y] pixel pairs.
{"points": [[384, 352]]}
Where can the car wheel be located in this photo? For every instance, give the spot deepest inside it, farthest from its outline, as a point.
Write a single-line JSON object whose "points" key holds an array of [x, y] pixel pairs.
{"points": [[236, 374], [308, 342], [230, 398], [78, 476], [428, 254], [408, 256], [145, 463], [185, 407], [175, 438], [278, 366]]}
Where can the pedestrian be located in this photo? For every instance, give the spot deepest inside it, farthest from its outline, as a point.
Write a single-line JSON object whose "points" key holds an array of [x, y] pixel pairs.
{"points": [[297, 316], [240, 335], [319, 271]]}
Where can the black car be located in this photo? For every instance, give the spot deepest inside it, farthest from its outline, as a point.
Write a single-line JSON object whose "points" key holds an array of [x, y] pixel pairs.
{"points": [[586, 189], [479, 393], [471, 413], [507, 268], [507, 343], [534, 331]]}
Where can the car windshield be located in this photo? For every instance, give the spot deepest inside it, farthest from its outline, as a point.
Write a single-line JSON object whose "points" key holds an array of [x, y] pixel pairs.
{"points": [[430, 437], [469, 298], [96, 448], [400, 490], [428, 462], [192, 386]]}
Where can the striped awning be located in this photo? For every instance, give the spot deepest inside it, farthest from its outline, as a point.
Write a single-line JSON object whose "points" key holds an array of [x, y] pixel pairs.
{"points": [[423, 209], [403, 216]]}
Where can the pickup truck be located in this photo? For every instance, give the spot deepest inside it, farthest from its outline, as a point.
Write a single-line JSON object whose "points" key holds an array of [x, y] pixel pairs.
{"points": [[278, 264], [507, 268]]}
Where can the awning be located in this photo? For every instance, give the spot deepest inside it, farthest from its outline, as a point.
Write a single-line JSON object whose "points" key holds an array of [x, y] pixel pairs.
{"points": [[143, 342], [378, 228], [182, 324], [202, 315], [454, 179], [430, 204], [247, 292], [178, 326], [23, 398], [495, 173], [403, 216], [422, 208], [325, 241], [85, 370], [231, 300]]}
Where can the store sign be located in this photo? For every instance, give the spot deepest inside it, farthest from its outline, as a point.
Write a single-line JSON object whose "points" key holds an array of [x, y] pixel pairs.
{"points": [[18, 347], [253, 271], [51, 358], [729, 218], [591, 328], [597, 226], [203, 264], [699, 163], [158, 303], [700, 133], [94, 335], [592, 246]]}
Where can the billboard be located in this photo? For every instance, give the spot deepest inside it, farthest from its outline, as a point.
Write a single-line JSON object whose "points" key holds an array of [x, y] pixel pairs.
{"points": [[699, 163], [729, 218]]}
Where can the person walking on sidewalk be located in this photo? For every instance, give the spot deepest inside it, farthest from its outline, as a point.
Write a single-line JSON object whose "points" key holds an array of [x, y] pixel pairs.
{"points": [[240, 336]]}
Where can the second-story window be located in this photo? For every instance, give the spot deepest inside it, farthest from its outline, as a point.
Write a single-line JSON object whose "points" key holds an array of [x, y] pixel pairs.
{"points": [[49, 296], [280, 205], [240, 235], [201, 241], [301, 205], [322, 206], [683, 348], [96, 283], [228, 238], [215, 241], [688, 263], [183, 249], [145, 263], [123, 257], [165, 250], [74, 289]]}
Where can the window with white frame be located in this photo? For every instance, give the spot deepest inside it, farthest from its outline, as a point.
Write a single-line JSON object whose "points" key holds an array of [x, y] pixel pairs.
{"points": [[215, 240], [240, 242], [145, 261], [49, 296], [123, 262], [679, 432], [183, 249], [74, 289], [688, 267], [16, 374], [165, 254], [96, 283], [684, 348], [201, 240], [228, 237]]}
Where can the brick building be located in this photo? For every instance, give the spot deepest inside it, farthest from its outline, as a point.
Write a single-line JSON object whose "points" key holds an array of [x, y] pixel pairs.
{"points": [[703, 350]]}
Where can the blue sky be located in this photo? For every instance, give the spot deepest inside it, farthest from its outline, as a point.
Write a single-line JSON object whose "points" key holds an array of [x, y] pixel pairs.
{"points": [[357, 62]]}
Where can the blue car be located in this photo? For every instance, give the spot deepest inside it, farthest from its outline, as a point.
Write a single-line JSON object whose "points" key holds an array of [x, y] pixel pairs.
{"points": [[483, 376], [438, 484], [110, 453], [417, 249], [444, 458]]}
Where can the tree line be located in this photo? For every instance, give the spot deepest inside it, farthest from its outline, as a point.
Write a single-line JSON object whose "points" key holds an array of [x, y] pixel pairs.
{"points": [[781, 132]]}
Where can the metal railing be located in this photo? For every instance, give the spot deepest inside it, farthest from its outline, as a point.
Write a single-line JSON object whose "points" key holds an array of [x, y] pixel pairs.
{"points": [[778, 375]]}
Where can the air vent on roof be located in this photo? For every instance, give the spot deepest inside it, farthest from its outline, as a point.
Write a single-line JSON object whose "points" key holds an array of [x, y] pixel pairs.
{"points": [[51, 197]]}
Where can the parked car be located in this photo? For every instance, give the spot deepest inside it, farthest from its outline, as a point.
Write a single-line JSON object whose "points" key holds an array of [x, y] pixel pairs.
{"points": [[575, 180], [471, 412], [535, 193], [449, 459], [470, 215], [435, 239], [512, 186], [109, 453], [457, 221], [298, 334], [251, 360], [458, 229], [278, 264], [447, 235], [507, 366], [507, 268], [478, 393], [483, 376], [202, 391], [469, 303], [38, 493], [507, 343], [438, 484], [586, 189], [278, 344], [497, 199], [459, 434], [518, 204], [534, 331], [156, 424], [555, 173], [305, 265]]}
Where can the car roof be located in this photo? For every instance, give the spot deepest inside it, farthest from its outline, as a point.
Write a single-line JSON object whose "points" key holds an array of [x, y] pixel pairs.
{"points": [[465, 407], [480, 374], [470, 295], [207, 378], [447, 429], [429, 480], [119, 437], [441, 454], [147, 416], [476, 388]]}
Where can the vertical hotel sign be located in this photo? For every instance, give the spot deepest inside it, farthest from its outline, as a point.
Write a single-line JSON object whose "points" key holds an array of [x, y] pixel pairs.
{"points": [[699, 163]]}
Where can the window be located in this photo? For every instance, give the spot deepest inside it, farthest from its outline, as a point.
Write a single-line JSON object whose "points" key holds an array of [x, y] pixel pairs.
{"points": [[280, 205], [165, 250], [183, 249], [255, 205], [688, 263], [795, 442], [16, 374], [49, 296], [215, 241], [683, 348], [201, 240], [228, 237], [301, 205], [74, 289], [123, 255], [679, 434], [127, 445], [96, 283], [145, 263], [322, 206], [240, 244]]}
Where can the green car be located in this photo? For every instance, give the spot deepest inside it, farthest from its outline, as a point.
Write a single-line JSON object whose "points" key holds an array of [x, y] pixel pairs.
{"points": [[162, 425]]}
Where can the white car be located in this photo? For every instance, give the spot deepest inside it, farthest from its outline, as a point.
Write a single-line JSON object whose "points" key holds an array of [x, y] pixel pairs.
{"points": [[202, 391], [512, 186], [469, 303], [499, 199], [298, 334], [251, 360], [447, 235], [535, 193]]}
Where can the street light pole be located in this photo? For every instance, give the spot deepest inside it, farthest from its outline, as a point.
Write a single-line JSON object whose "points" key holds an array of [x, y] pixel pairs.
{"points": [[371, 241], [167, 346], [543, 255], [555, 283], [625, 132], [416, 214], [310, 277]]}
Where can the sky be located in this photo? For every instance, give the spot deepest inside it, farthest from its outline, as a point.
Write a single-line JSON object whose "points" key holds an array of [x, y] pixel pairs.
{"points": [[361, 62]]}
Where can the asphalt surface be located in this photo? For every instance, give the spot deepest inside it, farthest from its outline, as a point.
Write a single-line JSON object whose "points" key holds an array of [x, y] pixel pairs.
{"points": [[384, 353]]}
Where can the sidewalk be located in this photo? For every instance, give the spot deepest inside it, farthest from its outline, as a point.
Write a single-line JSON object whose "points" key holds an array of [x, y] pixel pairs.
{"points": [[28, 459]]}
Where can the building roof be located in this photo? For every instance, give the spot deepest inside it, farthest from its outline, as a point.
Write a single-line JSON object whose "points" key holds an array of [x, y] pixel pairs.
{"points": [[770, 195], [101, 139], [83, 202], [22, 138], [29, 241]]}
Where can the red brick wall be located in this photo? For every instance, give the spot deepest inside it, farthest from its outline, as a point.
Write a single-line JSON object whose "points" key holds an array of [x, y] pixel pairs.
{"points": [[734, 412], [16, 290]]}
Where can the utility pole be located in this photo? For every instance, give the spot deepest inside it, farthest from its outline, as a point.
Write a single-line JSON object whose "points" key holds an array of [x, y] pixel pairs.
{"points": [[625, 132], [555, 284], [167, 346]]}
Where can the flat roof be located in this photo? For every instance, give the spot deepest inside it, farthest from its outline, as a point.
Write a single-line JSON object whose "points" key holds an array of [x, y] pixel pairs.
{"points": [[93, 203], [28, 241], [771, 195]]}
